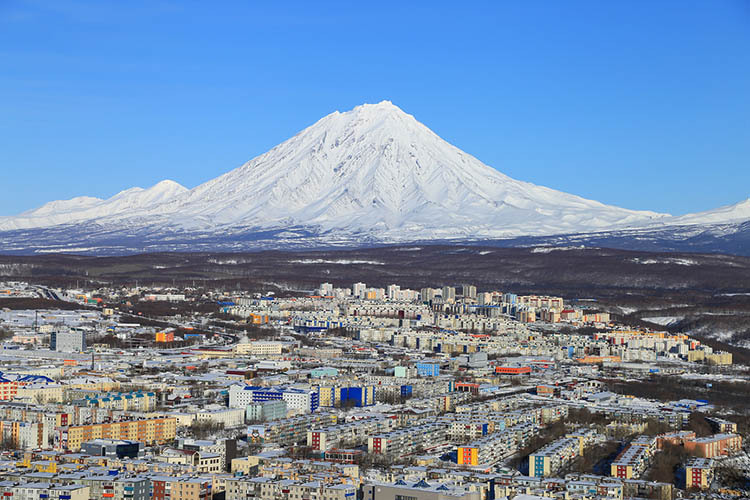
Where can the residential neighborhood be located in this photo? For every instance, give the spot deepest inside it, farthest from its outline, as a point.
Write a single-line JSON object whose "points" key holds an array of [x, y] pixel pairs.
{"points": [[356, 392]]}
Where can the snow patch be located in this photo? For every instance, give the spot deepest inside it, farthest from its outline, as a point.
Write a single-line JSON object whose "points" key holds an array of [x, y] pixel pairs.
{"points": [[664, 320], [337, 261], [554, 249], [666, 260]]}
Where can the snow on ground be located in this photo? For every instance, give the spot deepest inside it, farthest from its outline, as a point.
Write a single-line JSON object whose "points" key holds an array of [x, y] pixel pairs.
{"points": [[664, 320], [711, 376], [667, 260], [337, 261], [554, 249]]}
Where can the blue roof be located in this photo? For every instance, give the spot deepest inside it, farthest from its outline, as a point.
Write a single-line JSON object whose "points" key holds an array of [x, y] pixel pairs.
{"points": [[35, 378]]}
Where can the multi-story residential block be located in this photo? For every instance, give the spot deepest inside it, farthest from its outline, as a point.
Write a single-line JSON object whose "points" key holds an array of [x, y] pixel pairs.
{"points": [[147, 431], [549, 459], [25, 435], [265, 488], [699, 473], [44, 491], [260, 349], [493, 448], [127, 401], [346, 396], [225, 449], [181, 488], [72, 340], [229, 418], [428, 369], [631, 462], [8, 389], [349, 434], [421, 490], [266, 411], [409, 440], [721, 425], [296, 399], [289, 430], [714, 446]]}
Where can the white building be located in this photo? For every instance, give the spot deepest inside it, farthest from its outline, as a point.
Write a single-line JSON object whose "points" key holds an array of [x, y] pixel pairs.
{"points": [[68, 341], [306, 401]]}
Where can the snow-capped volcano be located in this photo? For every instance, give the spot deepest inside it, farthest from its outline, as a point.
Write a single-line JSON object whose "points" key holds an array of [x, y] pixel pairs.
{"points": [[376, 169], [374, 174]]}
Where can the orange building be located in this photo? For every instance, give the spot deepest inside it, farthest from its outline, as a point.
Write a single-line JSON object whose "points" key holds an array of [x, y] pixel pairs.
{"points": [[468, 455], [165, 336], [512, 370], [257, 319], [675, 438], [714, 446], [547, 390]]}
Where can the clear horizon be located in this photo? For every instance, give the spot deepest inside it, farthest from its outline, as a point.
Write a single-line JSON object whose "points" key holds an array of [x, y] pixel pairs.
{"points": [[637, 105]]}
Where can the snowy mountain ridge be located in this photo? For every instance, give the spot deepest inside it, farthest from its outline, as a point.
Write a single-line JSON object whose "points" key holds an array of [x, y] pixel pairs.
{"points": [[374, 173], [86, 208]]}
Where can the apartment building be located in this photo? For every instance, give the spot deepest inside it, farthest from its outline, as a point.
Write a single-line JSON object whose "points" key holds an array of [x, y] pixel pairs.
{"points": [[229, 418], [266, 488], [495, 447], [699, 473], [147, 431], [25, 435], [8, 389], [631, 462], [409, 440], [428, 369], [181, 488], [721, 425], [289, 430], [260, 349], [336, 396], [549, 459], [106, 487], [73, 340], [45, 491], [348, 434], [126, 401], [266, 411], [714, 446], [421, 490], [296, 399]]}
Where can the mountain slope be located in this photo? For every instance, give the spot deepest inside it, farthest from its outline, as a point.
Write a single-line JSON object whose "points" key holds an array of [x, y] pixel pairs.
{"points": [[377, 169], [739, 212], [84, 208], [370, 175]]}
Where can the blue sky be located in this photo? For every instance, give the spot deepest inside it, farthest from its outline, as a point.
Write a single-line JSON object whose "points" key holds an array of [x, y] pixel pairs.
{"points": [[636, 103]]}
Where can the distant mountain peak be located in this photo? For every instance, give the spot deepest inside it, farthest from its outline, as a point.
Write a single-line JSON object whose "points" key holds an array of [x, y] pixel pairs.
{"points": [[373, 173]]}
